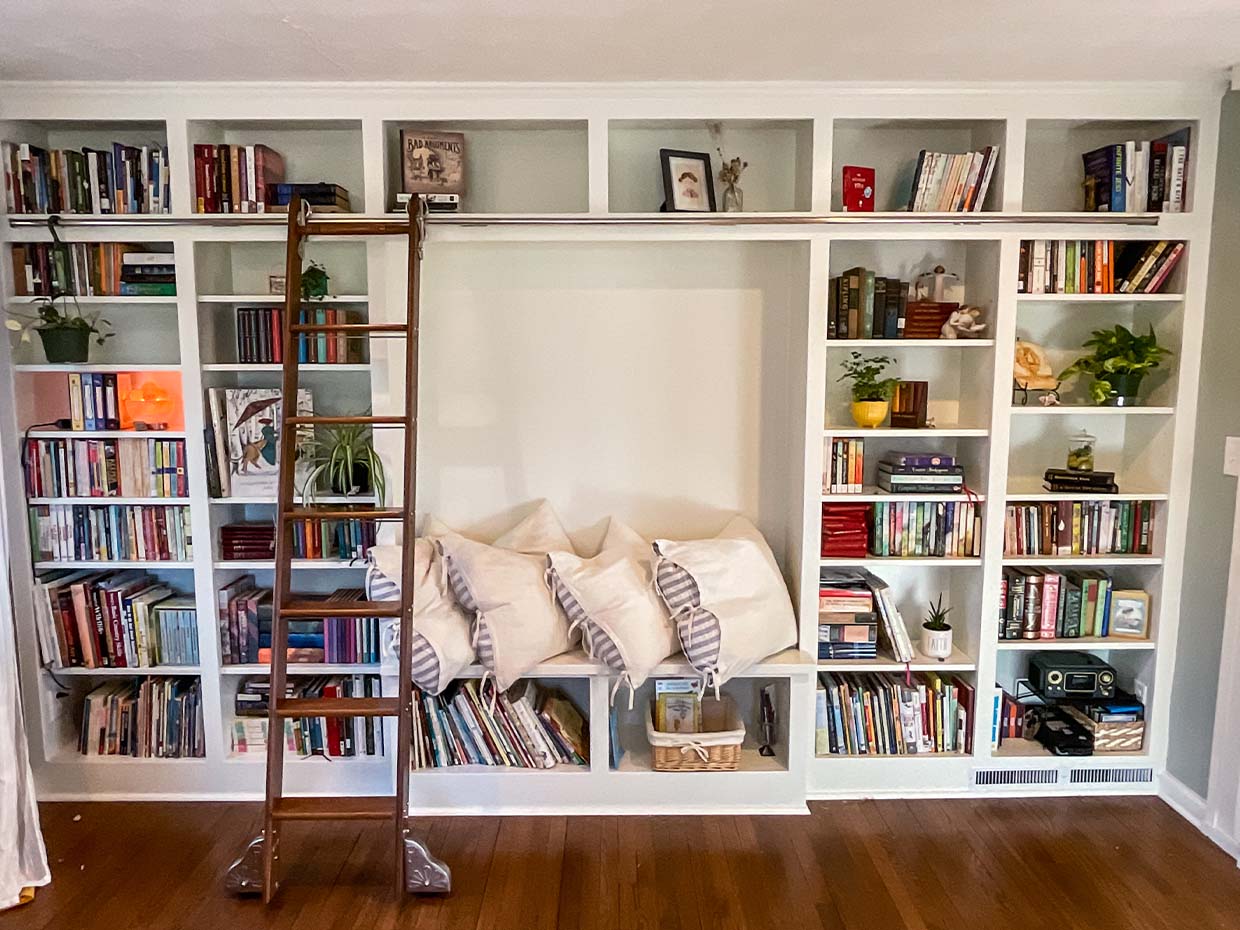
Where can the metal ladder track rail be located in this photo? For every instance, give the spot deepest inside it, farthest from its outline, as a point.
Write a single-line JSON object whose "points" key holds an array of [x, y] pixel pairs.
{"points": [[416, 870]]}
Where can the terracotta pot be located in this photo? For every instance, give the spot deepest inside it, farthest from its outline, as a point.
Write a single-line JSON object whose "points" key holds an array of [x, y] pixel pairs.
{"points": [[870, 413]]}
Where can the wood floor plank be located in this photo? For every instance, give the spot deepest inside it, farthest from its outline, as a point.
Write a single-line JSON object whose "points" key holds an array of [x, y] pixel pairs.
{"points": [[1032, 864]]}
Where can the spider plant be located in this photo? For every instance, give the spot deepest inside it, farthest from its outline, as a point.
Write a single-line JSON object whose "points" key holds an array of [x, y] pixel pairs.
{"points": [[344, 458]]}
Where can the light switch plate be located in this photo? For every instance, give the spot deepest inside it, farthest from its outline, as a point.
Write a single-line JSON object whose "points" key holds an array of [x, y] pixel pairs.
{"points": [[1231, 456]]}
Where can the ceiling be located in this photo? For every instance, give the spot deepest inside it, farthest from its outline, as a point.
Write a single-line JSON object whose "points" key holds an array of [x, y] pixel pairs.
{"points": [[598, 40]]}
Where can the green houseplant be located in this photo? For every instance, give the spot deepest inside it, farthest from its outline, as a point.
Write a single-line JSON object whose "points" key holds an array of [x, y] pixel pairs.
{"points": [[936, 632], [66, 332], [871, 393], [1119, 362], [345, 458]]}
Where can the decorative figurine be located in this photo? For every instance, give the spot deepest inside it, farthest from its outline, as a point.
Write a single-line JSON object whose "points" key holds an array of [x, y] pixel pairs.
{"points": [[964, 324]]}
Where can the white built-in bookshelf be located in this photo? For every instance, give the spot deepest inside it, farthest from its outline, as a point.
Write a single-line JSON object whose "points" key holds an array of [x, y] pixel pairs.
{"points": [[664, 372]]}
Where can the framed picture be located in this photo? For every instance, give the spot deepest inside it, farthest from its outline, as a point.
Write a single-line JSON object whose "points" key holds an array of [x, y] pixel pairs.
{"points": [[432, 162], [1130, 614], [688, 184], [275, 285]]}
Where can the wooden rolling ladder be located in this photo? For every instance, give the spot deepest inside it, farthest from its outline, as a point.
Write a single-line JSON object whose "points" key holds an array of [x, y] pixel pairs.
{"points": [[416, 869]]}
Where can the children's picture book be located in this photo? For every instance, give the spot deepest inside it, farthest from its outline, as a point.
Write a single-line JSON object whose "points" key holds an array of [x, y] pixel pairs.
{"points": [[253, 417]]}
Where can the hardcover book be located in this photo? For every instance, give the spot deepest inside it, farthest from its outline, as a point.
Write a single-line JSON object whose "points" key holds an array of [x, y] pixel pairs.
{"points": [[432, 162], [253, 426]]}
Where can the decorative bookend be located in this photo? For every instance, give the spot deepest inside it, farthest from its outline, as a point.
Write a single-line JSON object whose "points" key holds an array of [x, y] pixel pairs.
{"points": [[908, 407]]}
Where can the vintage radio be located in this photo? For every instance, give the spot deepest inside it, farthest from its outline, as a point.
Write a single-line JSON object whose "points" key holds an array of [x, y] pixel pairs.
{"points": [[1057, 675]]}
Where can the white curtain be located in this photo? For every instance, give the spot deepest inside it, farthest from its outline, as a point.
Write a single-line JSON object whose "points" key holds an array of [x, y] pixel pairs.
{"points": [[23, 860]]}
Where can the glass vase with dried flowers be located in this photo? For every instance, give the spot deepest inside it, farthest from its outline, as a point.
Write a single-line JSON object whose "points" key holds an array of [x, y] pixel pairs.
{"points": [[729, 172]]}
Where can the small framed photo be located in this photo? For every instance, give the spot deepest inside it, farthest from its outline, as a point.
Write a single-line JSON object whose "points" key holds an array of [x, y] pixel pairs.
{"points": [[688, 184], [1130, 614], [275, 285]]}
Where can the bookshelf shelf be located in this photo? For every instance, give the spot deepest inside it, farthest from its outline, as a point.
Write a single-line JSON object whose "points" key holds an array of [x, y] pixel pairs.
{"points": [[137, 672], [874, 494], [1084, 643], [107, 501], [1050, 561], [910, 343], [562, 198], [1071, 410], [958, 661], [307, 668], [320, 499]]}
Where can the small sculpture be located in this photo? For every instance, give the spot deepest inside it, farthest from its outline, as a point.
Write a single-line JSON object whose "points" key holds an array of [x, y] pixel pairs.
{"points": [[940, 286], [964, 324], [1031, 371]]}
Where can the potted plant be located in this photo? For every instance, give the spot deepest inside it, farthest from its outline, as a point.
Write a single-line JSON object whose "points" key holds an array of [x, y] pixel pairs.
{"points": [[936, 632], [871, 394], [345, 457], [314, 280], [65, 333], [1119, 362]]}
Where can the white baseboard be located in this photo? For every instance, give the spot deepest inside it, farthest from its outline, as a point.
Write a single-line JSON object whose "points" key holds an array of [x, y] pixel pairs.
{"points": [[1192, 807]]}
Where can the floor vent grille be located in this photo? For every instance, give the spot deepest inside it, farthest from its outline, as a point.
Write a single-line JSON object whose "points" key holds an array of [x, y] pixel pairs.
{"points": [[1110, 776], [1001, 777]]}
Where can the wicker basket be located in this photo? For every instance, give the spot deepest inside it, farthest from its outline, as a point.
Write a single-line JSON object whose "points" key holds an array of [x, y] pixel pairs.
{"points": [[716, 749], [1111, 737]]}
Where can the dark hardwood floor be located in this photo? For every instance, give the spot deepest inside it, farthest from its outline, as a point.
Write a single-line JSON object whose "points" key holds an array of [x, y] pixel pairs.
{"points": [[1059, 864]]}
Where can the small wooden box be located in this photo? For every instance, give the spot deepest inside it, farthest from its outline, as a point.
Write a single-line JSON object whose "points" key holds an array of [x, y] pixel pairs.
{"points": [[1111, 737]]}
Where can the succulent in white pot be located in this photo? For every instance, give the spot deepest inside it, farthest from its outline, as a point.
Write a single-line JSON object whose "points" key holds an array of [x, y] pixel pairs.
{"points": [[936, 632]]}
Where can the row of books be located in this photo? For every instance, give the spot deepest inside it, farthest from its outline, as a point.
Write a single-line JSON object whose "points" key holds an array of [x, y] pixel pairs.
{"points": [[528, 726], [1079, 528], [91, 269], [863, 305], [105, 468], [1138, 176], [236, 178], [152, 718], [846, 467], [332, 737], [1040, 603], [312, 539], [245, 622], [124, 179], [1096, 266], [946, 183], [888, 715], [845, 592], [125, 619], [939, 529], [845, 531], [110, 532], [1009, 718], [243, 440], [260, 339], [94, 401]]}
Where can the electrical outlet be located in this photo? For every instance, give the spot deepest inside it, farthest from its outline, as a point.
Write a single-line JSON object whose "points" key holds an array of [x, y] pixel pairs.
{"points": [[1231, 456], [1139, 690]]}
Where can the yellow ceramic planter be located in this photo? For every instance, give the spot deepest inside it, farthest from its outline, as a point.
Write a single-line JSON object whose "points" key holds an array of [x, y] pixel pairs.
{"points": [[870, 413]]}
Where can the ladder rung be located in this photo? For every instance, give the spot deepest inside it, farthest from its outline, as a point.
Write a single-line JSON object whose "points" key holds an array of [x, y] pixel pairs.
{"points": [[317, 609], [338, 707], [334, 808], [358, 328], [358, 420], [374, 513]]}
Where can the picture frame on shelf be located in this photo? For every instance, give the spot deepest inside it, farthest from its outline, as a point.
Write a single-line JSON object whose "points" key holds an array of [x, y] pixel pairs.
{"points": [[688, 182], [432, 162], [1130, 614]]}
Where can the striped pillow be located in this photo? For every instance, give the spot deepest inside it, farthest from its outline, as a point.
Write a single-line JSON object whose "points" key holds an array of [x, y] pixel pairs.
{"points": [[598, 644], [425, 668], [697, 628]]}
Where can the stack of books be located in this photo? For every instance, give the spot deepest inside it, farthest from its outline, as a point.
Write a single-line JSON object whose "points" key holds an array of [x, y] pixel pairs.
{"points": [[1074, 482], [155, 718], [236, 178], [332, 737], [863, 305], [527, 726], [887, 715], [844, 531], [1079, 528], [312, 539], [126, 619], [927, 529], [847, 621], [148, 274], [920, 473], [322, 197], [892, 635], [1096, 266], [847, 466], [247, 540], [1138, 176], [113, 532], [88, 269], [105, 468], [945, 183], [125, 179], [1040, 603]]}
